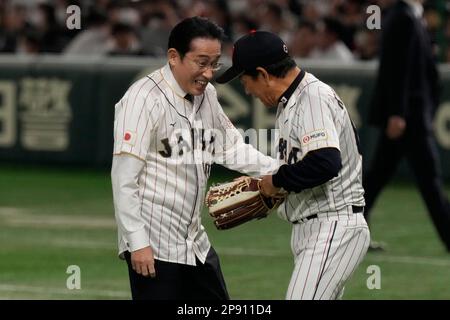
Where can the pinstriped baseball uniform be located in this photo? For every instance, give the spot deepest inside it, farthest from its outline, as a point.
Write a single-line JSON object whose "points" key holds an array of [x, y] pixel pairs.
{"points": [[329, 247], [177, 141]]}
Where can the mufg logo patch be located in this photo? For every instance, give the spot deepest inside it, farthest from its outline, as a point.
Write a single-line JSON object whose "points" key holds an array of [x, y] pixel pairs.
{"points": [[314, 136]]}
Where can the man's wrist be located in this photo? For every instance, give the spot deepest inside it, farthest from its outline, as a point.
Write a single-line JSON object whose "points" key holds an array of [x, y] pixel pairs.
{"points": [[137, 240]]}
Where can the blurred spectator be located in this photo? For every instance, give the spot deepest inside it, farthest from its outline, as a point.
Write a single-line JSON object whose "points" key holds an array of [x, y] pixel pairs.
{"points": [[99, 5], [352, 16], [12, 25], [124, 41], [93, 39], [243, 24], [29, 43], [274, 20], [295, 7], [160, 17], [195, 8], [315, 10], [152, 21], [43, 20], [330, 45], [366, 44], [119, 12], [304, 40], [351, 12], [219, 12]]}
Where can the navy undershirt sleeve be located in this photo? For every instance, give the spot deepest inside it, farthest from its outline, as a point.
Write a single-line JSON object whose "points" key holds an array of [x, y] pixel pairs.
{"points": [[316, 168]]}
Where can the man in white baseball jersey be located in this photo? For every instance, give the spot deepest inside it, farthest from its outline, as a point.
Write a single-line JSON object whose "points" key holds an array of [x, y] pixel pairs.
{"points": [[322, 166], [169, 128]]}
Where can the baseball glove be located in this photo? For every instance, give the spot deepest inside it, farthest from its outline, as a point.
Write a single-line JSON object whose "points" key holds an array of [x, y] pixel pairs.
{"points": [[234, 203]]}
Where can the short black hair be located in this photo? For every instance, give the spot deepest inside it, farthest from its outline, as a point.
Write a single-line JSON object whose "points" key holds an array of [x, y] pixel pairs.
{"points": [[189, 29], [278, 69]]}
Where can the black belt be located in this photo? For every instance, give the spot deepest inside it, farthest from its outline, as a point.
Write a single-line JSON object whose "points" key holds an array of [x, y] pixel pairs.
{"points": [[355, 209]]}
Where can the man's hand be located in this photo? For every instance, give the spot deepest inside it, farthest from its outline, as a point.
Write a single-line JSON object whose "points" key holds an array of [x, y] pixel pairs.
{"points": [[267, 188], [396, 127], [143, 263]]}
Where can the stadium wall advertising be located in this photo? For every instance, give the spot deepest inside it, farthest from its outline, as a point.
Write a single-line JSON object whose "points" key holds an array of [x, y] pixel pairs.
{"points": [[60, 110]]}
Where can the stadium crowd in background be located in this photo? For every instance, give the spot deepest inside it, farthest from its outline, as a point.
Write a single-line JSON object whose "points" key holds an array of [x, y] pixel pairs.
{"points": [[318, 29]]}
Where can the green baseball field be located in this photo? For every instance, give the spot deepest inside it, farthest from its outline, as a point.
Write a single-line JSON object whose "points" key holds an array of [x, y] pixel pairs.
{"points": [[57, 231]]}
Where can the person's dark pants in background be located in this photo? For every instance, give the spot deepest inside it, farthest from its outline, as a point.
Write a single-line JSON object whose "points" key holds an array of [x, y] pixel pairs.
{"points": [[420, 150]]}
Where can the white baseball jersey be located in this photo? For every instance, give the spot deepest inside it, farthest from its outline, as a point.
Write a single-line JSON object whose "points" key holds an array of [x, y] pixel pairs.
{"points": [[176, 141], [314, 117], [327, 247]]}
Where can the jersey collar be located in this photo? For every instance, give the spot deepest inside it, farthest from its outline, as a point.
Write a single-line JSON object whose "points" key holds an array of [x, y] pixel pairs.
{"points": [[289, 91], [173, 84]]}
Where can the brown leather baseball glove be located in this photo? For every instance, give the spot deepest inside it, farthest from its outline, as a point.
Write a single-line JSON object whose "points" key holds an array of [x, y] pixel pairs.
{"points": [[234, 203]]}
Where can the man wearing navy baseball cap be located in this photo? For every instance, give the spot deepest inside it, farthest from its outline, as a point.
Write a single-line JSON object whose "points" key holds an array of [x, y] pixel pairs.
{"points": [[256, 49], [322, 168]]}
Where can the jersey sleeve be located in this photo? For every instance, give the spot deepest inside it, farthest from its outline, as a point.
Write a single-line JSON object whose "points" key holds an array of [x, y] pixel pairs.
{"points": [[125, 173], [232, 152], [314, 124], [136, 116]]}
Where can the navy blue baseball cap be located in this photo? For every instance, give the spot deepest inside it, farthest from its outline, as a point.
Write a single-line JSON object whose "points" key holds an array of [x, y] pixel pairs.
{"points": [[256, 49]]}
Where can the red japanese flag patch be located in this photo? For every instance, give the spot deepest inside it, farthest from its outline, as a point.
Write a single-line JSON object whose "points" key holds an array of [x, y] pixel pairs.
{"points": [[129, 137]]}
